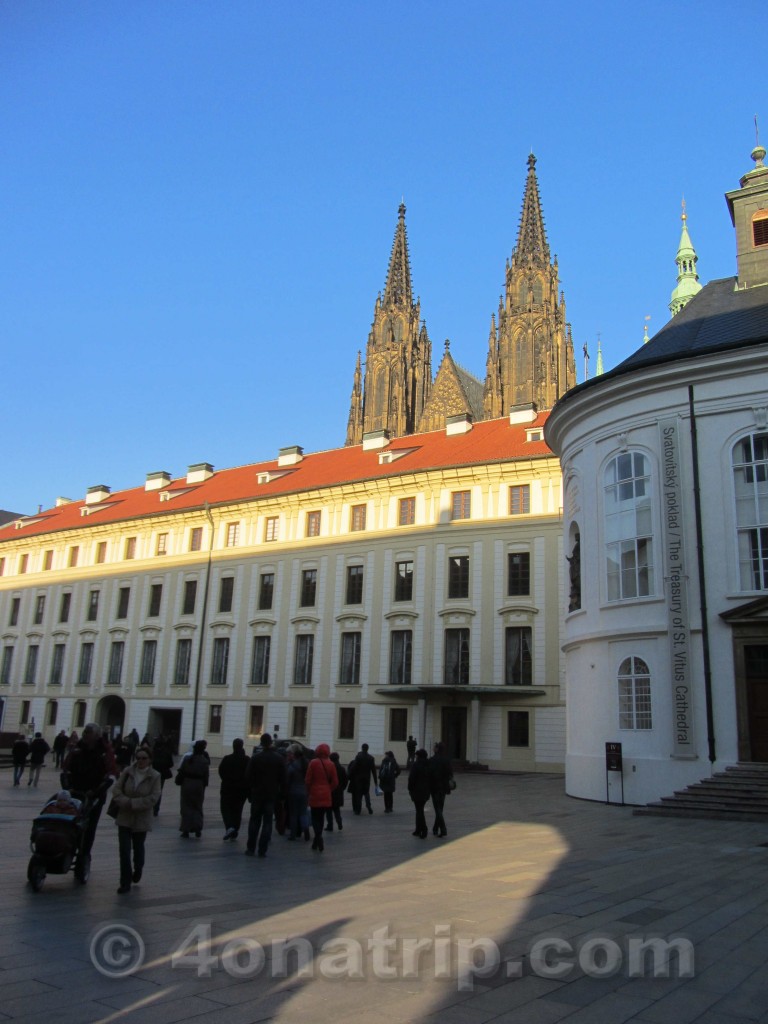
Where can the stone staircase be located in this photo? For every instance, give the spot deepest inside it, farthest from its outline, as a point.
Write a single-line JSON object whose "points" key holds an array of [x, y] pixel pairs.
{"points": [[740, 793]]}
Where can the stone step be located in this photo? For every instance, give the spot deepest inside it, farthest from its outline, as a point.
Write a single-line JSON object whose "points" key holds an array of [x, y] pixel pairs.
{"points": [[740, 793], [709, 813]]}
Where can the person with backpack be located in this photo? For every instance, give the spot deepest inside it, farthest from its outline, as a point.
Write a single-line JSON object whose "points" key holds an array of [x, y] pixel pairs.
{"points": [[389, 770], [337, 797]]}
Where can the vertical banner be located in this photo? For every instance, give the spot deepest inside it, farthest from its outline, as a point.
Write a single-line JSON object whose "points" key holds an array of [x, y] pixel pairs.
{"points": [[676, 592]]}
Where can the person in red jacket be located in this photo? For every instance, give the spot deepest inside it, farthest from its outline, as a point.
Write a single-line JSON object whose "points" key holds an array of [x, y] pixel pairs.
{"points": [[321, 780]]}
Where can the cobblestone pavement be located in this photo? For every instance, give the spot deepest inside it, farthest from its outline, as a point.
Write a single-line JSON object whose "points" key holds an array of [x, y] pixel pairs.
{"points": [[531, 910]]}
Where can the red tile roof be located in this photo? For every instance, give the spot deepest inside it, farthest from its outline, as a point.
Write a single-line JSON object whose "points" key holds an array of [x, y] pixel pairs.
{"points": [[490, 441]]}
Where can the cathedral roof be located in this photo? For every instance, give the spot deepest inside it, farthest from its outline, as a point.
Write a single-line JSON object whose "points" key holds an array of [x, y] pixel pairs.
{"points": [[492, 441]]}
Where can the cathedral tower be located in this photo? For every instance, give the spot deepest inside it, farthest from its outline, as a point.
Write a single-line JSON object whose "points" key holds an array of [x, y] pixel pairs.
{"points": [[530, 351], [398, 357]]}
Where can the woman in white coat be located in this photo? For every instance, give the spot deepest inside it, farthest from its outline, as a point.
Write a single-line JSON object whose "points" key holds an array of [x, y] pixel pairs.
{"points": [[136, 792]]}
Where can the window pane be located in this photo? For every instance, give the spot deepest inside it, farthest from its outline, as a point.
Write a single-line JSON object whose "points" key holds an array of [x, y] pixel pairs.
{"points": [[404, 581], [220, 661], [401, 646], [458, 576], [266, 590], [183, 661], [350, 659], [260, 663], [302, 672], [518, 573], [346, 723], [225, 593], [456, 657], [354, 584]]}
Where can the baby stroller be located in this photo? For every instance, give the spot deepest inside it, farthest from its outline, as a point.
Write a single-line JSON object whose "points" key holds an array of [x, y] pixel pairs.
{"points": [[57, 839]]}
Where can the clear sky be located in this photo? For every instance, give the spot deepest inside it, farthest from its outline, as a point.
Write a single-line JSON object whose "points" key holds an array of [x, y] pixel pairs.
{"points": [[198, 199]]}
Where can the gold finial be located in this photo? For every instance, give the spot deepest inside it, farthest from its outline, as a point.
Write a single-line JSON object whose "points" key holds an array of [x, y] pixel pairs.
{"points": [[684, 216], [645, 331]]}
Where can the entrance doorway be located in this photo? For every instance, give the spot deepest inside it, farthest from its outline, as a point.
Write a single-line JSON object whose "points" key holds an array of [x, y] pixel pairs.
{"points": [[110, 715], [756, 679], [454, 733], [165, 722]]}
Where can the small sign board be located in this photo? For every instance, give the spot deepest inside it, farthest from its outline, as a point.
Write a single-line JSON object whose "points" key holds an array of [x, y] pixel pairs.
{"points": [[613, 761]]}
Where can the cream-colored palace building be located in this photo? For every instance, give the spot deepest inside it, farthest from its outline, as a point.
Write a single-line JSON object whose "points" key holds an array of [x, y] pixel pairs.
{"points": [[356, 595]]}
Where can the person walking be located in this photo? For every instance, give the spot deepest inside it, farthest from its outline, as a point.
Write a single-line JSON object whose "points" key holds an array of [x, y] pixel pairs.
{"points": [[265, 777], [440, 778], [234, 791], [38, 748], [361, 770], [321, 781], [89, 769], [410, 746], [389, 770], [19, 755], [192, 776], [419, 790], [59, 748], [135, 793], [337, 797], [296, 794]]}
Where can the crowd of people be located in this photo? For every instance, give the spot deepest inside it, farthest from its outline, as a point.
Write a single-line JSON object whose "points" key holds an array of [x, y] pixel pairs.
{"points": [[295, 791]]}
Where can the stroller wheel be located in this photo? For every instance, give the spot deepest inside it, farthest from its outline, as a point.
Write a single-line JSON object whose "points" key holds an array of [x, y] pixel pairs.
{"points": [[36, 873], [83, 868]]}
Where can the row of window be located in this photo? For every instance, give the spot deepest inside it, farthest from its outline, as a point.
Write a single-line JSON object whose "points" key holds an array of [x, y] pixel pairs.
{"points": [[518, 660], [628, 504], [518, 583], [461, 503]]}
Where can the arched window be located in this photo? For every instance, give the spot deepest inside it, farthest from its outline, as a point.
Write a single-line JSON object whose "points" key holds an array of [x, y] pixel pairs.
{"points": [[750, 478], [538, 291], [628, 527], [634, 694]]}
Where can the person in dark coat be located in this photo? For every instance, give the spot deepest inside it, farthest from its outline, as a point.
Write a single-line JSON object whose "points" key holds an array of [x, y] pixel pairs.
{"points": [[296, 794], [19, 754], [90, 768], [440, 775], [361, 770], [193, 772], [38, 748], [59, 748], [234, 790], [410, 747], [389, 769], [337, 797], [265, 777], [419, 789]]}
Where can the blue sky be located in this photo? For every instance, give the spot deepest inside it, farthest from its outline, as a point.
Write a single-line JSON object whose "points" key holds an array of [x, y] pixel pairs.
{"points": [[198, 199]]}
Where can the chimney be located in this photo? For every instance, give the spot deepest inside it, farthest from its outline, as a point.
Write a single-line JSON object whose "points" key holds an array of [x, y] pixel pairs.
{"points": [[96, 494], [63, 501], [375, 439], [523, 413], [200, 472], [459, 424], [156, 481], [290, 456]]}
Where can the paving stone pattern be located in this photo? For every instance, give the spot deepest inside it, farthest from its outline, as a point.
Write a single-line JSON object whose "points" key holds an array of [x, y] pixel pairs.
{"points": [[522, 862]]}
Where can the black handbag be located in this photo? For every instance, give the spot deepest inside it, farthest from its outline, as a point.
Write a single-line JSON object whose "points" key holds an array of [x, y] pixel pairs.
{"points": [[113, 808]]}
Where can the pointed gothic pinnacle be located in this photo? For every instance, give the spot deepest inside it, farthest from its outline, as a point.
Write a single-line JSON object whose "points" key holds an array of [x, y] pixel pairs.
{"points": [[398, 290]]}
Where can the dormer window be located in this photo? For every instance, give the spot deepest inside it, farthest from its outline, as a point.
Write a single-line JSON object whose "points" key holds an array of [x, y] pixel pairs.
{"points": [[534, 435]]}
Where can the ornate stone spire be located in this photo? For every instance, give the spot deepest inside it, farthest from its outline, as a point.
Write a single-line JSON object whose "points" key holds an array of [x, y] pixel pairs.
{"points": [[687, 278], [532, 359], [355, 421], [531, 237], [398, 290], [398, 355]]}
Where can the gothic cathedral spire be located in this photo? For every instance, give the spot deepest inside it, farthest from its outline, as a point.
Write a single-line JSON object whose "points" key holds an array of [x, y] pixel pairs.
{"points": [[398, 356], [530, 355]]}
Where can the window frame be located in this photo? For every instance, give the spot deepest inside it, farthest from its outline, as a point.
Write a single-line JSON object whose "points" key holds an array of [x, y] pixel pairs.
{"points": [[458, 577], [518, 574], [148, 663], [313, 523], [459, 667], [308, 588], [634, 700], [358, 518], [519, 498], [461, 505], [303, 659], [406, 512], [219, 661], [354, 585], [628, 504], [260, 655], [350, 657], [518, 657], [404, 580]]}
